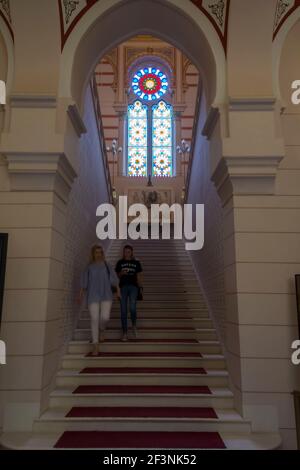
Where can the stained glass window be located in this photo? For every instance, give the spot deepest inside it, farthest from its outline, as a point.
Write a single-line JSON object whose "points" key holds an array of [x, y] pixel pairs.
{"points": [[137, 139], [150, 120], [162, 139], [150, 84]]}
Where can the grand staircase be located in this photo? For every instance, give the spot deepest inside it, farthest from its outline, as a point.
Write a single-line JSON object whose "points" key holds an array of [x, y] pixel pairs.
{"points": [[166, 389]]}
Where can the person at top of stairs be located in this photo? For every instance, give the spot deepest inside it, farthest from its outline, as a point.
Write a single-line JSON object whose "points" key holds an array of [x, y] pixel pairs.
{"points": [[130, 273], [97, 282]]}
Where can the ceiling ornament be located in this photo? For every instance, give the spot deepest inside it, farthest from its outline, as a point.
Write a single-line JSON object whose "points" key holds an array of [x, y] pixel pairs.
{"points": [[284, 9], [217, 11], [71, 11], [5, 14]]}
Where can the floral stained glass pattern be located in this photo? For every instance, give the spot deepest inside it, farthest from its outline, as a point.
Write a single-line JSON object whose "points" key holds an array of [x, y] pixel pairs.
{"points": [[150, 84], [162, 139], [137, 139]]}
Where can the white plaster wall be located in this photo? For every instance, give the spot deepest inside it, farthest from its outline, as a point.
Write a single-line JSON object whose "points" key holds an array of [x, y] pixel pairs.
{"points": [[89, 190], [208, 262]]}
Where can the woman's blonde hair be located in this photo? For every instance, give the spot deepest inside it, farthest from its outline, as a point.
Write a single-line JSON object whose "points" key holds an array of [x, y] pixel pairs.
{"points": [[93, 250]]}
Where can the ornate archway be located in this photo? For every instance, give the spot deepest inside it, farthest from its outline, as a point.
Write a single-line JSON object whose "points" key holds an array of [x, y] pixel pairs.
{"points": [[101, 27]]}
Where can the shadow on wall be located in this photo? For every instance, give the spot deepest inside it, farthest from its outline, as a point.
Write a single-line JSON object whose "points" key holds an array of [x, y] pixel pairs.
{"points": [[88, 191], [208, 262]]}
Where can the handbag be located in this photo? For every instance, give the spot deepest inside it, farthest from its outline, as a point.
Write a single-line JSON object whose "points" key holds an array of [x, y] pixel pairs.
{"points": [[113, 288]]}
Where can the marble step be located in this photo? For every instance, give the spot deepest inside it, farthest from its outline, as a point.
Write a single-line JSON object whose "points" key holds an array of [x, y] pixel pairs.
{"points": [[208, 347], [176, 304], [47, 440], [227, 420], [220, 397], [156, 323], [156, 318], [212, 378], [204, 333], [79, 361]]}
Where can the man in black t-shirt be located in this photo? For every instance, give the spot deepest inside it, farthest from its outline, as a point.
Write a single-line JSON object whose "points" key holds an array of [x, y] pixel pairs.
{"points": [[129, 271]]}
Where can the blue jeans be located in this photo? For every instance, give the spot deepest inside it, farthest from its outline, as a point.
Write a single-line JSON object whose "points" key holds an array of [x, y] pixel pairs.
{"points": [[130, 292]]}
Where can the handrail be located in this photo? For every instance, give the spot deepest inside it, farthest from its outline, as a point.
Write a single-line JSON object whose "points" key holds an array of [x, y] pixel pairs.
{"points": [[3, 255], [193, 143], [98, 115], [296, 395], [297, 284]]}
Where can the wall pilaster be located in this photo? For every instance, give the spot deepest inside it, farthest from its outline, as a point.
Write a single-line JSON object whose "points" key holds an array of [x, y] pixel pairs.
{"points": [[37, 178], [261, 237]]}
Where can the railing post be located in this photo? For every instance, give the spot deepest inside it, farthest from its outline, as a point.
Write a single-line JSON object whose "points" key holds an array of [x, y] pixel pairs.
{"points": [[297, 283], [296, 394], [297, 415], [101, 135], [3, 255]]}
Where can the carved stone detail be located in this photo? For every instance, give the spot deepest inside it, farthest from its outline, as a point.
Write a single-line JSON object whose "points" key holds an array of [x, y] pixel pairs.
{"points": [[218, 11], [70, 6]]}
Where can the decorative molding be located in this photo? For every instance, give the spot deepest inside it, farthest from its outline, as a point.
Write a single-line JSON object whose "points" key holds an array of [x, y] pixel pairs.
{"points": [[6, 15], [217, 12], [76, 120], [32, 101], [120, 109], [132, 54], [40, 172], [284, 9], [112, 58], [5, 7], [247, 175], [252, 104], [211, 122], [179, 108], [69, 9], [70, 13]]}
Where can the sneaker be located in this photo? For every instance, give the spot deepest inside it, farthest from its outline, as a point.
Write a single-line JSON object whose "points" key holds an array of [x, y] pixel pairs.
{"points": [[124, 337]]}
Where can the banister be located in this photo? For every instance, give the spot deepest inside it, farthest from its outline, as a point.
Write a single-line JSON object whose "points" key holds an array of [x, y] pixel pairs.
{"points": [[3, 255], [98, 116], [296, 393], [193, 143]]}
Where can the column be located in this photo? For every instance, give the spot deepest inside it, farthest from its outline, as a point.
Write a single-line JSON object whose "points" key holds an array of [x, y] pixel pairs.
{"points": [[35, 183], [261, 253]]}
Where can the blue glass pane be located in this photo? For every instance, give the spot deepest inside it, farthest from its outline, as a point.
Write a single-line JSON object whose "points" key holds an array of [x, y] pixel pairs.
{"points": [[162, 139], [137, 139], [149, 83]]}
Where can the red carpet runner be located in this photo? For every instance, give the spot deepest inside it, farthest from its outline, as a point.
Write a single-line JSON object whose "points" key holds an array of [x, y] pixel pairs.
{"points": [[143, 370], [141, 389], [141, 412], [146, 354], [139, 440]]}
